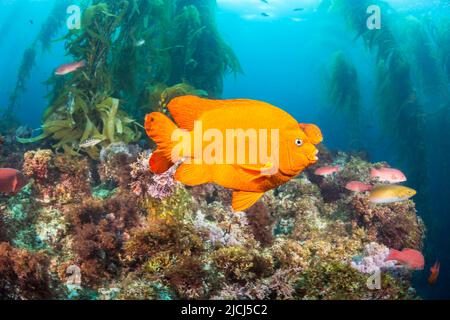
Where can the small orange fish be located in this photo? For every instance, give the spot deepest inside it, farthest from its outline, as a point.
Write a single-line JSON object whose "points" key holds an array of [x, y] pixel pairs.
{"points": [[248, 179], [327, 171], [11, 181], [434, 273], [69, 68]]}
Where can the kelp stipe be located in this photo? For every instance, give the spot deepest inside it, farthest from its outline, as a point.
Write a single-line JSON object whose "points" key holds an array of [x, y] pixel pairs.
{"points": [[81, 107], [343, 94], [48, 31], [415, 39], [53, 24], [132, 68], [26, 66], [207, 57], [441, 36], [399, 110]]}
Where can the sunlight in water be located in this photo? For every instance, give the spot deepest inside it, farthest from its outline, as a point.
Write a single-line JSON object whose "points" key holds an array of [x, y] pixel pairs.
{"points": [[297, 10]]}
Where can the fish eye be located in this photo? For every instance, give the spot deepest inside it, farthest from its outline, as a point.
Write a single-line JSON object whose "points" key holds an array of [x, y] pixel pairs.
{"points": [[299, 142]]}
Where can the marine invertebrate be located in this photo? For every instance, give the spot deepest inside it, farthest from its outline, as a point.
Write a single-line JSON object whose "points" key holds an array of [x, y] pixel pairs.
{"points": [[190, 245]]}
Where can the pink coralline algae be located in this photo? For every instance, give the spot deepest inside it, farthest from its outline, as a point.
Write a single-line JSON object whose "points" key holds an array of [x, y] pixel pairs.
{"points": [[145, 183], [374, 259]]}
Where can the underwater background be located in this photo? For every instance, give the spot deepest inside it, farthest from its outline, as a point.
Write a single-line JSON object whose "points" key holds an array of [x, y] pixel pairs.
{"points": [[382, 96]]}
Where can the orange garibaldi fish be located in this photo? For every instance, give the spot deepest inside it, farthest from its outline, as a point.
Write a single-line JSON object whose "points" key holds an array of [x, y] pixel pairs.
{"points": [[248, 177]]}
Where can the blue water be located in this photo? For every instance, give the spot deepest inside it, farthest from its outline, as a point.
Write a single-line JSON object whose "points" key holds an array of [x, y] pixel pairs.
{"points": [[284, 63], [284, 60]]}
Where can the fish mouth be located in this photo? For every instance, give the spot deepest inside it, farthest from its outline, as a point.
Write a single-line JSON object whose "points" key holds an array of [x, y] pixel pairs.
{"points": [[314, 157]]}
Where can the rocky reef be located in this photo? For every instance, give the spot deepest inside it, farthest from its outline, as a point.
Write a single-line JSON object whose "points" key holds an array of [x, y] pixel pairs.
{"points": [[110, 229]]}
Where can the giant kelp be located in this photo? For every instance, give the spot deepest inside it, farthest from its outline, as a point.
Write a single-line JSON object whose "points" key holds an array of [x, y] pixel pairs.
{"points": [[205, 56], [190, 54], [28, 62], [415, 38], [48, 31], [398, 106], [133, 68], [441, 35], [344, 95], [82, 107]]}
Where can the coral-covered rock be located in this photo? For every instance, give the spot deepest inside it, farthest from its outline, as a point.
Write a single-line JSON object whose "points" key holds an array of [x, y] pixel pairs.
{"points": [[395, 225], [261, 222], [57, 177], [99, 231], [374, 259], [137, 235], [146, 184], [23, 275], [241, 265]]}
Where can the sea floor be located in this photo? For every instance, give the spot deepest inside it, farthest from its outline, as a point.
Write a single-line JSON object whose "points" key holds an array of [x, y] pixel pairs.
{"points": [[110, 229]]}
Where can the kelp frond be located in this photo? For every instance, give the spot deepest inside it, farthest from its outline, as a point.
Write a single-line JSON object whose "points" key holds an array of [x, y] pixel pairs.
{"points": [[344, 95], [343, 85], [129, 59]]}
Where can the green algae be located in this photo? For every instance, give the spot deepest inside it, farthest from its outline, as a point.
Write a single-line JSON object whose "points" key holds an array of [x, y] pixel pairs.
{"points": [[127, 59]]}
